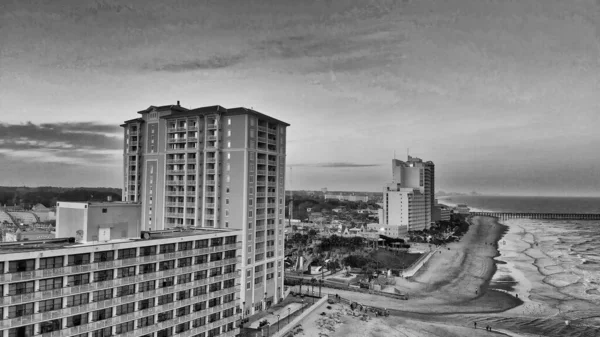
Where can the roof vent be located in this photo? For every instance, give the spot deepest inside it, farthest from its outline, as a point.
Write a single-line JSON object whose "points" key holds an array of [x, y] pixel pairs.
{"points": [[178, 103]]}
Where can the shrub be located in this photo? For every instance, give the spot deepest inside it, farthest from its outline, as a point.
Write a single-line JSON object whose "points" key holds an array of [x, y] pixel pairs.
{"points": [[263, 323]]}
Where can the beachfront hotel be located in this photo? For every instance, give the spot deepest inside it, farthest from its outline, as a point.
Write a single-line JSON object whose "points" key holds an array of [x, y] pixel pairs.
{"points": [[408, 201], [102, 280], [213, 167]]}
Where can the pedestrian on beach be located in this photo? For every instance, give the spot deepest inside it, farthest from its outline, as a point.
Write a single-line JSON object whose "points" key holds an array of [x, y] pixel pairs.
{"points": [[475, 324]]}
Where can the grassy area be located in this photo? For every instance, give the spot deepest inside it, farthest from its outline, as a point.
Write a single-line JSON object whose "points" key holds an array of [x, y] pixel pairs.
{"points": [[394, 259]]}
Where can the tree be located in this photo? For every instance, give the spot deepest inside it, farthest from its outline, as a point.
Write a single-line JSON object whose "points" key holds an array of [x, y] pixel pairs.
{"points": [[312, 233]]}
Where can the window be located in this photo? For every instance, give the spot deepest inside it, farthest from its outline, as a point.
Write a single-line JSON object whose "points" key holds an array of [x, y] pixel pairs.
{"points": [[147, 251], [51, 283], [20, 310], [248, 285], [165, 332], [228, 133], [183, 311], [126, 290], [200, 275], [166, 265], [165, 316], [147, 268], [184, 294], [124, 327], [200, 306], [126, 253], [51, 262], [102, 314], [146, 304], [185, 278], [228, 155], [125, 272], [166, 282], [104, 256], [200, 290], [21, 331], [77, 320], [226, 201], [228, 144], [79, 299], [21, 288], [188, 245], [146, 321], [104, 210], [228, 121], [125, 309], [101, 295], [49, 305], [199, 322], [228, 167], [216, 256], [103, 275], [79, 259], [106, 332], [167, 248], [184, 262], [226, 224], [201, 244], [226, 212], [164, 299], [249, 214], [201, 259], [148, 285]]}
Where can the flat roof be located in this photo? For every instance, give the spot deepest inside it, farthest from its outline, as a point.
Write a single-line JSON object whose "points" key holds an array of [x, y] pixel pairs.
{"points": [[52, 244]]}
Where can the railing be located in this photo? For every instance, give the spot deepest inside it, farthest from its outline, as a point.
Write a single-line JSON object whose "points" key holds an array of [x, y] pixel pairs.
{"points": [[260, 216], [211, 126], [261, 172], [175, 161], [261, 194], [66, 291], [174, 215], [211, 160], [271, 205], [262, 128], [271, 216], [209, 217], [190, 193], [260, 205], [270, 237], [175, 182], [262, 139], [175, 204], [133, 133], [175, 172], [210, 182], [261, 161], [271, 194], [211, 138], [190, 172], [175, 193], [272, 141], [209, 194], [272, 173], [192, 139], [261, 183], [210, 171], [210, 205], [272, 162], [272, 131]]}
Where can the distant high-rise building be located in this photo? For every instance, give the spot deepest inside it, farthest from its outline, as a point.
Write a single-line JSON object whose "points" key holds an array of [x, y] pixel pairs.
{"points": [[213, 167], [408, 201]]}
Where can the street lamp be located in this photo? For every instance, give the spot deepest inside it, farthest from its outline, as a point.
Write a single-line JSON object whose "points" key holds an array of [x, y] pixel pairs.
{"points": [[265, 300], [277, 323], [243, 309], [289, 310]]}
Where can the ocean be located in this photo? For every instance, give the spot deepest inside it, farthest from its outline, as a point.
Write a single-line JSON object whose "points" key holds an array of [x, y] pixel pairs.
{"points": [[526, 204], [553, 265]]}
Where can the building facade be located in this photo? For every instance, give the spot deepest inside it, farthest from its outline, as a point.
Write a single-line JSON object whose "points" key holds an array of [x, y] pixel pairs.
{"points": [[214, 167], [347, 197], [408, 201], [177, 283]]}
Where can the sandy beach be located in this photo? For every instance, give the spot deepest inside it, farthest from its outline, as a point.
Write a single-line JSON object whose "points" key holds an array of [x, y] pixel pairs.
{"points": [[461, 285]]}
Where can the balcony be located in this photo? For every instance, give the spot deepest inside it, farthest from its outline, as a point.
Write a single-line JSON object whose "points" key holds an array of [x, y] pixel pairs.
{"points": [[272, 173], [175, 182], [261, 183], [272, 131], [262, 128], [270, 237], [209, 217], [271, 194], [175, 215], [272, 183], [193, 128], [271, 205], [261, 172], [262, 139], [190, 172], [260, 216], [209, 194], [175, 193], [210, 171], [175, 204], [261, 194], [271, 216], [260, 205], [260, 239], [132, 133], [191, 181], [272, 162], [190, 193], [211, 160], [210, 205], [261, 161], [272, 141], [175, 161], [211, 126], [175, 172], [211, 138], [210, 182]]}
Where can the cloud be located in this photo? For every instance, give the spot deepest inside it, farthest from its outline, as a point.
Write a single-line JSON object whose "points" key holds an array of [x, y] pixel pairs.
{"points": [[215, 62], [82, 143], [336, 165]]}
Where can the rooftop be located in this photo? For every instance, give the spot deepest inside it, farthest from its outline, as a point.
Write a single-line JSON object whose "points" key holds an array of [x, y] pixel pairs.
{"points": [[60, 243]]}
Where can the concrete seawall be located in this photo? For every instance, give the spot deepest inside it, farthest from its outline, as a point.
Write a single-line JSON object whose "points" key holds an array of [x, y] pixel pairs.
{"points": [[287, 328], [414, 268]]}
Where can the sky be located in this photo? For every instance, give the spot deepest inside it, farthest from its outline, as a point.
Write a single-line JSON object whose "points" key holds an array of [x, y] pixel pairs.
{"points": [[502, 95]]}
